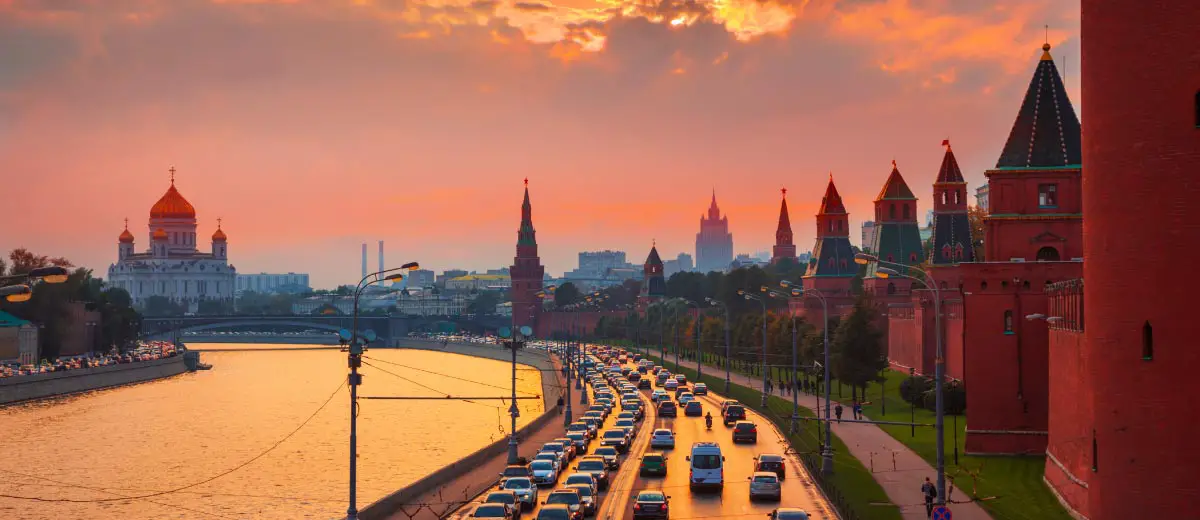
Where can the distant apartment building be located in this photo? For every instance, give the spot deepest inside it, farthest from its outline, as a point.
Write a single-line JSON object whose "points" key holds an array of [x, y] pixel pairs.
{"points": [[747, 260], [502, 270], [448, 274], [269, 283], [981, 198], [420, 278], [681, 263], [479, 282], [868, 235], [432, 305], [598, 269]]}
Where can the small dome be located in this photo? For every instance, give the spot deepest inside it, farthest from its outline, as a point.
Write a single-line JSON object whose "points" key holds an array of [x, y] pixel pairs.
{"points": [[126, 236], [218, 235], [172, 205], [159, 234]]}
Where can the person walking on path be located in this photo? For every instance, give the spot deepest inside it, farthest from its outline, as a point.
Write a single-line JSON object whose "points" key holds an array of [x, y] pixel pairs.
{"points": [[860, 414], [560, 405], [930, 493], [837, 410]]}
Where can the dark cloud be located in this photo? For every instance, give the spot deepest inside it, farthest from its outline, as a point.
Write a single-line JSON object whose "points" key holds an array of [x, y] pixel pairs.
{"points": [[531, 7]]}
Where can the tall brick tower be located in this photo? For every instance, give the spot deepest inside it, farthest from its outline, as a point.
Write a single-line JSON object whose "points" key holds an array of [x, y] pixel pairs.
{"points": [[526, 271], [654, 284], [897, 234], [832, 266], [1141, 73], [784, 248], [952, 240]]}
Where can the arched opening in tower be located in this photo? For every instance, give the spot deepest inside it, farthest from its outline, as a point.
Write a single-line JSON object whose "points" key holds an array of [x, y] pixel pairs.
{"points": [[1047, 254], [1197, 104], [1147, 341]]}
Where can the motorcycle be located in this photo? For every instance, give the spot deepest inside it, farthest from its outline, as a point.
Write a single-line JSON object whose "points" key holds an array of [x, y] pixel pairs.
{"points": [[708, 422]]}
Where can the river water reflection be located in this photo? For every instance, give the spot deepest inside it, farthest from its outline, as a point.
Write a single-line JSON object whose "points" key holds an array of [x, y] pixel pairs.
{"points": [[166, 434]]}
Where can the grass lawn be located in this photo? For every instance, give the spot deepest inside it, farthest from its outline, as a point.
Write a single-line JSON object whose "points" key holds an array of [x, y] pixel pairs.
{"points": [[851, 487]]}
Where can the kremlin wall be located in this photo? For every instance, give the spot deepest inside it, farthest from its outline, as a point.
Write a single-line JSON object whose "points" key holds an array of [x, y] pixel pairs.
{"points": [[1101, 402]]}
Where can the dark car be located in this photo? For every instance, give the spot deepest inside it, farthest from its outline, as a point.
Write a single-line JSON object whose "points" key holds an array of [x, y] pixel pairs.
{"points": [[492, 511], [615, 438], [611, 456], [693, 409], [667, 409], [651, 504], [507, 498], [555, 512], [568, 497], [597, 467], [700, 389], [733, 413], [771, 462], [588, 495], [745, 431], [644, 384]]}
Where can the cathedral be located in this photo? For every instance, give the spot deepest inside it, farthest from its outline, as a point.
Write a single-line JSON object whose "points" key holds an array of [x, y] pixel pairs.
{"points": [[173, 267]]}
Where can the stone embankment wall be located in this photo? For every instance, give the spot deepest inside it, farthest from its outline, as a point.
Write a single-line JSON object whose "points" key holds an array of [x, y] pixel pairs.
{"points": [[39, 386], [387, 505]]}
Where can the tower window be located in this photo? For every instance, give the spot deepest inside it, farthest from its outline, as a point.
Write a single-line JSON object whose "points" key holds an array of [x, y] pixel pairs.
{"points": [[1147, 342], [1047, 195], [891, 288], [946, 251], [956, 196], [943, 197], [891, 259], [1008, 322], [1198, 109], [983, 285], [892, 211], [1047, 254], [906, 212], [1095, 453], [912, 257]]}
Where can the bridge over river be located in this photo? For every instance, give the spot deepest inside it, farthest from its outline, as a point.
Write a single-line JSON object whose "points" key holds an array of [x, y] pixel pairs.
{"points": [[285, 327]]}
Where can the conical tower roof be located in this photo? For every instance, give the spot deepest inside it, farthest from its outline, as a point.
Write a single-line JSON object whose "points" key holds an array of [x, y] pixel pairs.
{"points": [[785, 222], [895, 188], [832, 201], [654, 259], [1046, 132], [949, 171]]}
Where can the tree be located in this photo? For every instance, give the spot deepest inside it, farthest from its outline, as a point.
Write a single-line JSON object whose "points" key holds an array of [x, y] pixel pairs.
{"points": [[162, 306], [213, 307], [485, 303], [975, 217], [857, 352], [567, 294]]}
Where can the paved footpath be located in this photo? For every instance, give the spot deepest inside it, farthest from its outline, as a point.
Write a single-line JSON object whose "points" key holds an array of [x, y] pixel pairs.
{"points": [[466, 487], [867, 441]]}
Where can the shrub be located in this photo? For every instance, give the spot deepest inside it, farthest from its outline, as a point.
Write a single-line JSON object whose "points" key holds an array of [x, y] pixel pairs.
{"points": [[912, 388], [955, 395]]}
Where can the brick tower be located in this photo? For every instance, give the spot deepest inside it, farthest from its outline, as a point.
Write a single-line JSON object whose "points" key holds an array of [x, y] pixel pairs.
{"points": [[952, 240], [526, 271], [784, 248], [1142, 147], [897, 234], [832, 266], [654, 284]]}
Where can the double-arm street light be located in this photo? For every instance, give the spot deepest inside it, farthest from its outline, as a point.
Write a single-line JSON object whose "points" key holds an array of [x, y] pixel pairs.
{"points": [[798, 291], [355, 348], [690, 303], [514, 340], [763, 302], [22, 291], [901, 271], [795, 361], [566, 355], [715, 302]]}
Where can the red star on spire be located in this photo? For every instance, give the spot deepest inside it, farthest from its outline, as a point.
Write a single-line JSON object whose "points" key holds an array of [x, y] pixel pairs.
{"points": [[527, 181]]}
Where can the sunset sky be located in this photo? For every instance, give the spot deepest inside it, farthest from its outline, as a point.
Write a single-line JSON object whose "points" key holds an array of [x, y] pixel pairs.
{"points": [[311, 126]]}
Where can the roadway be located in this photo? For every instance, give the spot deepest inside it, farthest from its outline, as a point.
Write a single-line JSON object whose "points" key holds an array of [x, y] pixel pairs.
{"points": [[733, 502]]}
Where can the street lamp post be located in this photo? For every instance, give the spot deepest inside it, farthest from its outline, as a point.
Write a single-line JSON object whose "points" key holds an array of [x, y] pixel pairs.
{"points": [[795, 367], [762, 302], [22, 291], [901, 271], [355, 348], [827, 448], [727, 354], [516, 343]]}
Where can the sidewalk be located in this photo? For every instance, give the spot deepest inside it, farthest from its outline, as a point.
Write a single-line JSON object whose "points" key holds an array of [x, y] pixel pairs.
{"points": [[439, 502], [865, 441]]}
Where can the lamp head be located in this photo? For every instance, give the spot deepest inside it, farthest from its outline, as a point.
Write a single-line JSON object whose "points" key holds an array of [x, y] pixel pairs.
{"points": [[741, 292], [763, 289], [1054, 319], [50, 274], [394, 277], [797, 292], [785, 283], [748, 297], [1035, 316], [411, 266], [888, 271], [864, 259], [881, 274]]}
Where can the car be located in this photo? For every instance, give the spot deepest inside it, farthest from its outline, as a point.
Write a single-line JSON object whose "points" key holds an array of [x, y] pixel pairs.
{"points": [[644, 384], [764, 484], [525, 490], [507, 498], [789, 513], [514, 471], [582, 478], [560, 448], [727, 403], [588, 495], [662, 438], [569, 498], [550, 456], [629, 425], [555, 512], [616, 438], [580, 441], [545, 473], [629, 404], [580, 427], [693, 409], [627, 415], [682, 379], [700, 389], [657, 395], [745, 431], [706, 466], [771, 462], [653, 463], [651, 504], [610, 455], [733, 413], [492, 511], [597, 467], [593, 424], [666, 409], [671, 384], [601, 411], [683, 395]]}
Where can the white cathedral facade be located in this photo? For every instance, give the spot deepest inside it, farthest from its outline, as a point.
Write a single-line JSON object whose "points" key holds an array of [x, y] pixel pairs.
{"points": [[173, 267]]}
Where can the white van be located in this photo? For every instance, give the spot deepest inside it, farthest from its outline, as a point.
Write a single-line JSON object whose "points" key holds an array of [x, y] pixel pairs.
{"points": [[706, 466]]}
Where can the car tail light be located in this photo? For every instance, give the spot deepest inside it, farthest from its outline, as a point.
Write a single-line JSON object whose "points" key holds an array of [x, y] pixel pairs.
{"points": [[664, 506], [637, 507]]}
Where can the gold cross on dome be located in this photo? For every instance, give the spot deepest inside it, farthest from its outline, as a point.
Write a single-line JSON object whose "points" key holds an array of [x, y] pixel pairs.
{"points": [[172, 170], [126, 223], [218, 222]]}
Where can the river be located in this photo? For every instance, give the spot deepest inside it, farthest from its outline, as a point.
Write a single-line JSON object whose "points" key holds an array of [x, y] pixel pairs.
{"points": [[84, 453]]}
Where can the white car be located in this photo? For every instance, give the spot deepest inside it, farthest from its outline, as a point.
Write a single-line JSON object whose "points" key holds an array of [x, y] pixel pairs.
{"points": [[662, 438], [544, 472]]}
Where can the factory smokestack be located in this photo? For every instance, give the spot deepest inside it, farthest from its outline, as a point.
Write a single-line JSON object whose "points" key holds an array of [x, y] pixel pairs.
{"points": [[364, 260], [381, 256]]}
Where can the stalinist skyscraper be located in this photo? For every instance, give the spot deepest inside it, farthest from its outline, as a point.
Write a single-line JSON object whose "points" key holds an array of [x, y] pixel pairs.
{"points": [[714, 243]]}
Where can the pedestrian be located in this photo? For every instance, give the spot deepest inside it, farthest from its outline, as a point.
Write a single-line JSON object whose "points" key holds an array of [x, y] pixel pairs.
{"points": [[930, 492], [837, 410], [859, 411], [949, 489], [560, 405]]}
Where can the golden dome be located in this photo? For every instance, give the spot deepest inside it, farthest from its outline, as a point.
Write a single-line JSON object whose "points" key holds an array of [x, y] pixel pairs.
{"points": [[172, 204], [218, 235], [159, 234], [126, 236]]}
